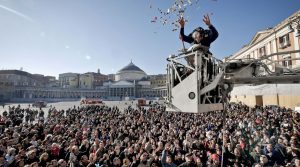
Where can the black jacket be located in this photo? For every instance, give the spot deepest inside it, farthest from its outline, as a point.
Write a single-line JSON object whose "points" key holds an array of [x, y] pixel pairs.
{"points": [[206, 41]]}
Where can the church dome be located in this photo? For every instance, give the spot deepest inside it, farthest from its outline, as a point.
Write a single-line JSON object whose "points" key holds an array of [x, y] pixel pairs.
{"points": [[130, 67], [130, 72]]}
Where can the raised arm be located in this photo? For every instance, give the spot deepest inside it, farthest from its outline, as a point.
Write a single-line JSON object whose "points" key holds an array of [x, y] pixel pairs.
{"points": [[182, 36], [163, 157], [213, 35]]}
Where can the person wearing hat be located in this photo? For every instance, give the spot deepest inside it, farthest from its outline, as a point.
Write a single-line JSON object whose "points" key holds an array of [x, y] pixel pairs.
{"points": [[200, 36]]}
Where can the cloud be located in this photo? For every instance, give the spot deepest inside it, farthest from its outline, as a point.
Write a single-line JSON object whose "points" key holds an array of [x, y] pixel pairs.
{"points": [[67, 46]]}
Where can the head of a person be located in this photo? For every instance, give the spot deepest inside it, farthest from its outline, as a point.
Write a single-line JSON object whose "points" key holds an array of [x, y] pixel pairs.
{"points": [[126, 162], [215, 158], [74, 149], [101, 144], [169, 159], [44, 157], [257, 165], [144, 156], [130, 150], [270, 147], [117, 161], [2, 159], [62, 163], [84, 160], [263, 159], [34, 164], [31, 154], [20, 163], [237, 152], [293, 140], [54, 162], [189, 157], [197, 34]]}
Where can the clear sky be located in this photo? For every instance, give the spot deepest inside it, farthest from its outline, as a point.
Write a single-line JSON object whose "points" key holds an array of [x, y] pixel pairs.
{"points": [[56, 36]]}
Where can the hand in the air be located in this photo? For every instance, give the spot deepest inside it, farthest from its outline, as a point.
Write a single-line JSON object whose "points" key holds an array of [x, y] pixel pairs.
{"points": [[206, 20], [181, 22]]}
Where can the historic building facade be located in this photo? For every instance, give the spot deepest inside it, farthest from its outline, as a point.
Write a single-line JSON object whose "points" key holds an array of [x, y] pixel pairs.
{"points": [[281, 45], [131, 82], [12, 79], [69, 80], [158, 80]]}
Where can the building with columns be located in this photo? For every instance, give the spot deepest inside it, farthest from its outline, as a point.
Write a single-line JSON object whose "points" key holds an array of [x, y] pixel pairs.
{"points": [[281, 44], [132, 82], [158, 80]]}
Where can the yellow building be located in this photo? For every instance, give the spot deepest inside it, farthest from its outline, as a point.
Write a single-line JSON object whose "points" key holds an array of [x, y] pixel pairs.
{"points": [[281, 43], [86, 81], [69, 80]]}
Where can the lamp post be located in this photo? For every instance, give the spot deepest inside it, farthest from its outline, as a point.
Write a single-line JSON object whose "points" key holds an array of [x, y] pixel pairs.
{"points": [[294, 26]]}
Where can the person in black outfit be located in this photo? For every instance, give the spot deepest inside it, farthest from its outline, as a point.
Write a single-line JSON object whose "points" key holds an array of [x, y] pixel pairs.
{"points": [[200, 36]]}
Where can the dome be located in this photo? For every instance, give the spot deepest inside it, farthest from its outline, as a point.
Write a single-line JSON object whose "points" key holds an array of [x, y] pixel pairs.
{"points": [[131, 67], [130, 72]]}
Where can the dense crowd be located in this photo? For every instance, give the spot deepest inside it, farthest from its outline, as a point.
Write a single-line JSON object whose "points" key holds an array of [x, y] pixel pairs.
{"points": [[99, 136]]}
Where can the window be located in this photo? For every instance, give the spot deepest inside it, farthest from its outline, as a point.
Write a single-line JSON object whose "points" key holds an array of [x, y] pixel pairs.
{"points": [[248, 56], [262, 51], [284, 41], [287, 62]]}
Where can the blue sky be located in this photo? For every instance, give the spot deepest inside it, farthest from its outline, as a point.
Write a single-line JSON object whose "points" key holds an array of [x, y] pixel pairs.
{"points": [[57, 36]]}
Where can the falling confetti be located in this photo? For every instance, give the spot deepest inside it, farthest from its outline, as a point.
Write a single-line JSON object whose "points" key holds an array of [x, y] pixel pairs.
{"points": [[170, 16], [154, 20]]}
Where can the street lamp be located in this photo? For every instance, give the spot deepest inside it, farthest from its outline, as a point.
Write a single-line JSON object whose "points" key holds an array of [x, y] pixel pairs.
{"points": [[295, 24], [297, 31]]}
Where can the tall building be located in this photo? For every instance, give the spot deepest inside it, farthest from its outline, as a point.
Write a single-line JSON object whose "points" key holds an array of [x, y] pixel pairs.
{"points": [[281, 45]]}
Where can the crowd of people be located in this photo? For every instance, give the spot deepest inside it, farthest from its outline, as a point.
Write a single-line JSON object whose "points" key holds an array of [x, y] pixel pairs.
{"points": [[100, 136]]}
